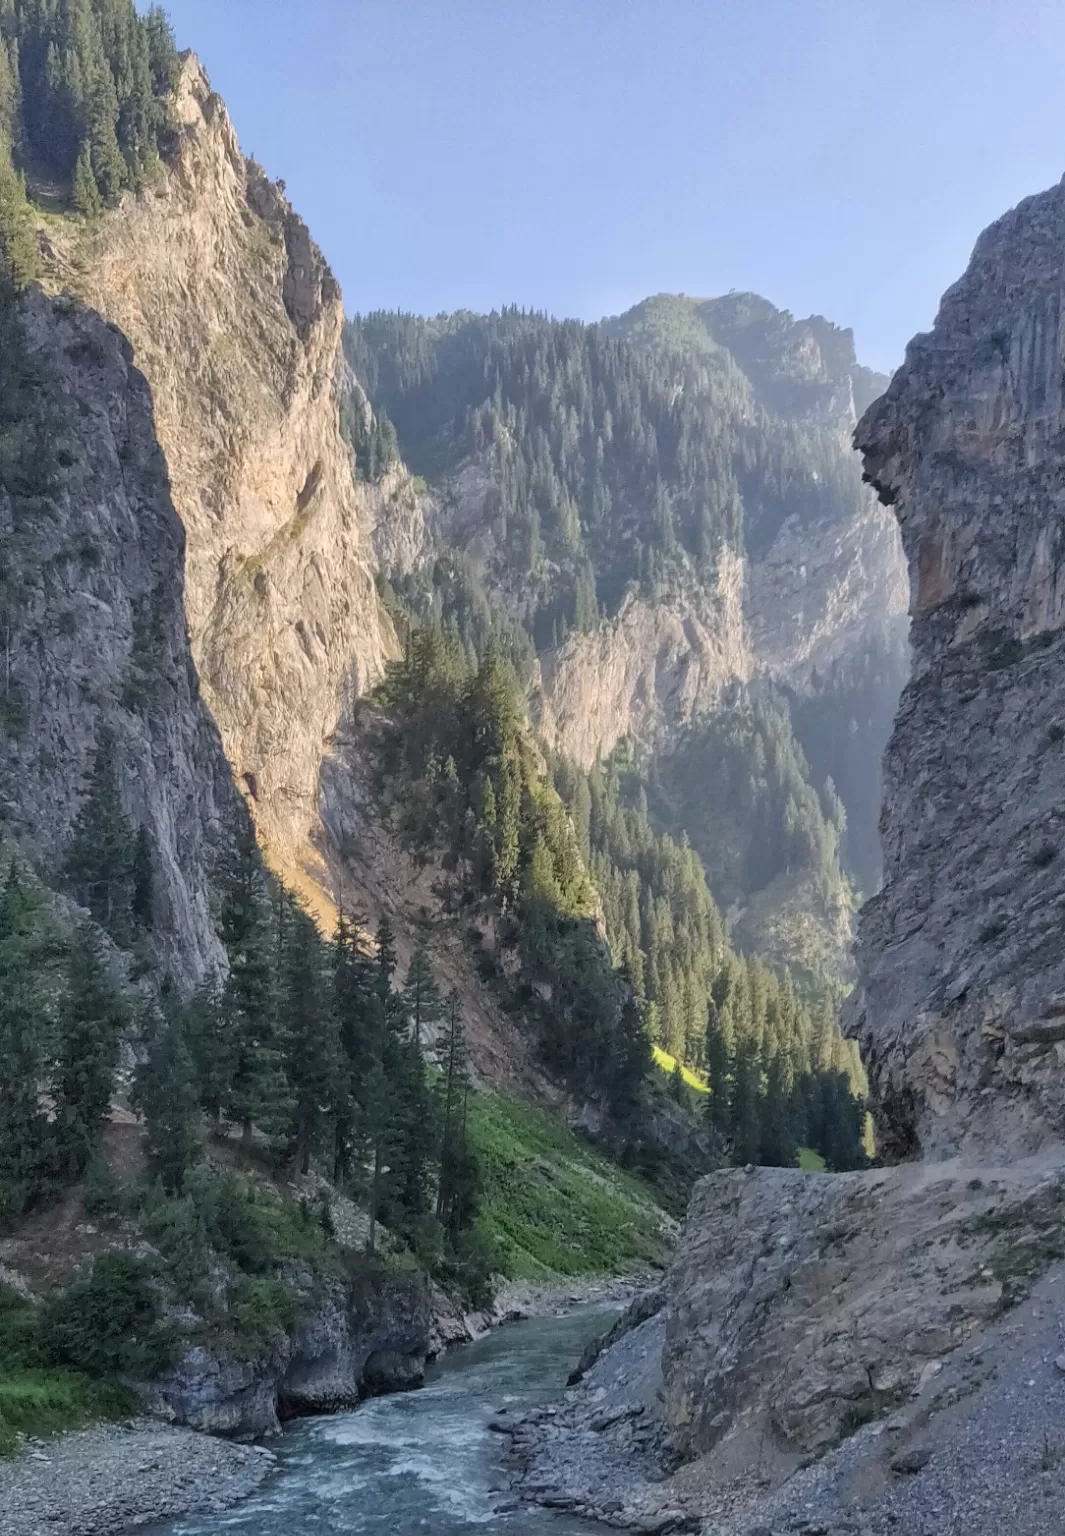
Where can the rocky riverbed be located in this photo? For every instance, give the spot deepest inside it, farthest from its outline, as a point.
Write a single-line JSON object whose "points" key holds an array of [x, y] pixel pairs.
{"points": [[113, 1478]]}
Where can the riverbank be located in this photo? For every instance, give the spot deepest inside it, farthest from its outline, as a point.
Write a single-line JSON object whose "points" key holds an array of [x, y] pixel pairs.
{"points": [[112, 1478]]}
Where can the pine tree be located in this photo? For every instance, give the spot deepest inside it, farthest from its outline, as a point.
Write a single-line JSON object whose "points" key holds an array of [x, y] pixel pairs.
{"points": [[28, 996], [209, 1048], [165, 1092], [85, 192], [310, 1043], [744, 1108], [256, 1091], [454, 1068], [777, 1134], [19, 253], [629, 1059], [353, 1005], [99, 863], [92, 1018], [421, 997]]}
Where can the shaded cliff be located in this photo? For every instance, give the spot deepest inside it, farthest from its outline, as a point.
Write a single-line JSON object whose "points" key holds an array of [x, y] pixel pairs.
{"points": [[94, 633], [235, 320], [960, 1013]]}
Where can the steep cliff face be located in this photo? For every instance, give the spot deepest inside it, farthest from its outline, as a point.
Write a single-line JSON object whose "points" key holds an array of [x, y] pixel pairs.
{"points": [[652, 670], [235, 320], [94, 636], [960, 1012]]}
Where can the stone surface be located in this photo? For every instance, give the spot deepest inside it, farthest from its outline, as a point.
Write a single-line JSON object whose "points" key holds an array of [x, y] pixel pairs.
{"points": [[111, 1479], [371, 1336], [235, 320], [960, 955], [95, 638]]}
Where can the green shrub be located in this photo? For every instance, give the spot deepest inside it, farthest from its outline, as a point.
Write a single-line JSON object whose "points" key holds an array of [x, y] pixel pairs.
{"points": [[106, 1322], [19, 1348], [260, 1311]]}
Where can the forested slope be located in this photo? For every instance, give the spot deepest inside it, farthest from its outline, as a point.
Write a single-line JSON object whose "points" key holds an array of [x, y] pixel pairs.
{"points": [[664, 514]]}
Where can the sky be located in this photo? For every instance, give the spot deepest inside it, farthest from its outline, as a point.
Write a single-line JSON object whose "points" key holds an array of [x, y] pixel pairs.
{"points": [[837, 156]]}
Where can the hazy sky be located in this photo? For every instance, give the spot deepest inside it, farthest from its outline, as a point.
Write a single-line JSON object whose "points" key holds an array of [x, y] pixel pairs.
{"points": [[837, 156]]}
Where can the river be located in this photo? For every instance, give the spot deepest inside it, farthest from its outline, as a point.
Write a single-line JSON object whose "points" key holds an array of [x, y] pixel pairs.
{"points": [[418, 1462]]}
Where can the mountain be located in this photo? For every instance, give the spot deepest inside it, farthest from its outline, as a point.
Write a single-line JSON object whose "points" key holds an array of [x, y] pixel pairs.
{"points": [[321, 935], [855, 1337], [668, 508]]}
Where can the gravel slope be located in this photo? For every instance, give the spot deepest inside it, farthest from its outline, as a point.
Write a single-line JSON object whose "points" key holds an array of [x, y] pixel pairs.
{"points": [[109, 1479]]}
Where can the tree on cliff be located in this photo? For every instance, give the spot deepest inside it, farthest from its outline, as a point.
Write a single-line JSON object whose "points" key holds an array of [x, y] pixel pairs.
{"points": [[256, 1090]]}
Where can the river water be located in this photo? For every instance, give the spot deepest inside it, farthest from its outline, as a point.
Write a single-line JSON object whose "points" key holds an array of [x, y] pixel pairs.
{"points": [[418, 1463]]}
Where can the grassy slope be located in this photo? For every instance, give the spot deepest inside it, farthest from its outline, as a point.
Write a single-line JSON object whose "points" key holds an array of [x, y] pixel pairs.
{"points": [[553, 1203], [46, 1402]]}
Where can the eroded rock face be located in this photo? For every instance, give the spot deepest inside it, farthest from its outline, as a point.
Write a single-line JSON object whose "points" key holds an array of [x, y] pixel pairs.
{"points": [[960, 956], [235, 320], [353, 1342], [95, 637], [799, 1308]]}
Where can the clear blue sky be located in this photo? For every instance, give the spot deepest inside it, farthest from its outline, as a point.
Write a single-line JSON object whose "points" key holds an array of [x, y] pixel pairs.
{"points": [[837, 156]]}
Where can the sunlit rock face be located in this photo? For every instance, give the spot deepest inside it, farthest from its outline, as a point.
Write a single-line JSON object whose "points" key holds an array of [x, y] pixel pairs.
{"points": [[960, 1009], [235, 320]]}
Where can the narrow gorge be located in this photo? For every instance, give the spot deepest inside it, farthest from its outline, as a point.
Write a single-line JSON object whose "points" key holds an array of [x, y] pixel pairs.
{"points": [[880, 1351]]}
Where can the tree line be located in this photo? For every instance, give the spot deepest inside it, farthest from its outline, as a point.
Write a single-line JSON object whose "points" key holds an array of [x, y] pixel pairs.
{"points": [[546, 847], [463, 776], [86, 90], [315, 1048]]}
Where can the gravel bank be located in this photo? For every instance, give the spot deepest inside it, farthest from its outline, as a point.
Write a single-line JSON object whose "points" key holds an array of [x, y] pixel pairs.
{"points": [[110, 1479], [519, 1299]]}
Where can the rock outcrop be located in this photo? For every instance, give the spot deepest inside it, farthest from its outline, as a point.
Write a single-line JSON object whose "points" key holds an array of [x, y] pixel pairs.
{"points": [[961, 1012], [355, 1340], [235, 320], [94, 633]]}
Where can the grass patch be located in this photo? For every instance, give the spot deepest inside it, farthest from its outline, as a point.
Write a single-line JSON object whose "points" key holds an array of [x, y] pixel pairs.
{"points": [[668, 1065], [810, 1161], [49, 1402], [553, 1204]]}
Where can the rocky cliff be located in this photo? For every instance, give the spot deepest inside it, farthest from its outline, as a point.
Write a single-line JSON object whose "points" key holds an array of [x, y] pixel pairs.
{"points": [[235, 321], [821, 580], [354, 1340], [865, 1352], [94, 633], [961, 1012]]}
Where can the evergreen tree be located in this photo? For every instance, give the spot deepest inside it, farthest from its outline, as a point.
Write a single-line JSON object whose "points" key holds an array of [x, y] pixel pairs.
{"points": [[90, 1025], [744, 1108], [354, 1007], [86, 192], [256, 1091], [28, 999], [209, 1048], [19, 254], [99, 863], [452, 1194], [165, 1092], [310, 1043], [778, 1142], [421, 997]]}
